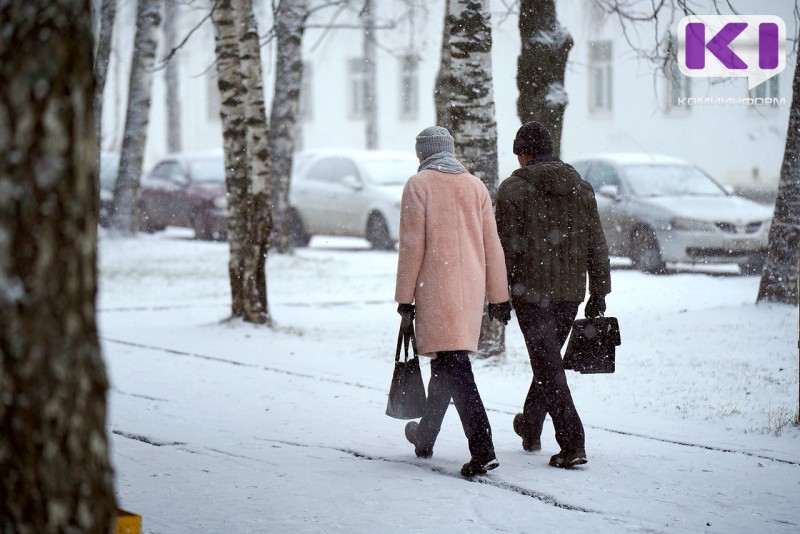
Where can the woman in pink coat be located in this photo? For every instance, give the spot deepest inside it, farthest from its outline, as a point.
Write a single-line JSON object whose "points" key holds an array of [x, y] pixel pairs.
{"points": [[450, 263]]}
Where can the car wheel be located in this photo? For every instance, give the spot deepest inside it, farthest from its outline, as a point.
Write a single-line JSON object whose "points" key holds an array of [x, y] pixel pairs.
{"points": [[378, 233], [297, 233], [645, 253], [754, 264]]}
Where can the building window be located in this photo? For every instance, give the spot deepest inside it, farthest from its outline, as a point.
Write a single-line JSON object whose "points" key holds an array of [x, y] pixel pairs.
{"points": [[767, 89], [409, 87], [679, 86], [358, 88], [600, 77], [306, 108]]}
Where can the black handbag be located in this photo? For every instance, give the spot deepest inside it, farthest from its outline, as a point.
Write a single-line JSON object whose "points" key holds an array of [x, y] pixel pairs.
{"points": [[407, 392], [592, 345]]}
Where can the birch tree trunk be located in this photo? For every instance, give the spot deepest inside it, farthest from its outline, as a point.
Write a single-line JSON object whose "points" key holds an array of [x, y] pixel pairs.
{"points": [[443, 91], [780, 277], [108, 13], [260, 224], [174, 130], [247, 174], [126, 189], [541, 66], [471, 112], [290, 23], [370, 77], [56, 475]]}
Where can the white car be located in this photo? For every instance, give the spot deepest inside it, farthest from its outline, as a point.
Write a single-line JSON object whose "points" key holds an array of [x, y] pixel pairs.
{"points": [[349, 193], [659, 209]]}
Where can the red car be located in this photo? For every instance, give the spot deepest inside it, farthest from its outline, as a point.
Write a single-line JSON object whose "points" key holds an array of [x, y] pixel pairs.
{"points": [[186, 190]]}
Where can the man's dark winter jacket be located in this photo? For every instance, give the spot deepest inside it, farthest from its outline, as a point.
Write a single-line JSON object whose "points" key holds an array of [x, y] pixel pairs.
{"points": [[550, 230]]}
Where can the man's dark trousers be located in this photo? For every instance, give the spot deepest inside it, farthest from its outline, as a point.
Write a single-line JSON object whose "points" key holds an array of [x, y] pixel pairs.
{"points": [[545, 326], [451, 377]]}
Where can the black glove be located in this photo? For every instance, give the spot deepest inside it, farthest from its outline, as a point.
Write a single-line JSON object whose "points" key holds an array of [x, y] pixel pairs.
{"points": [[407, 312], [500, 312], [595, 307]]}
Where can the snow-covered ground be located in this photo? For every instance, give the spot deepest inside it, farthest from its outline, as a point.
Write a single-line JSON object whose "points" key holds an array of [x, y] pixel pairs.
{"points": [[226, 427]]}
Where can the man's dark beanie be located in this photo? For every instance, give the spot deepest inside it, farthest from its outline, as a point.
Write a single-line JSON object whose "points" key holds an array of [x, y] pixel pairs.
{"points": [[533, 139]]}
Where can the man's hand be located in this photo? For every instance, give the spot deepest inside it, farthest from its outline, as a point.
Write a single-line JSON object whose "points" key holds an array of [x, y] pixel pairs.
{"points": [[500, 312], [595, 307]]}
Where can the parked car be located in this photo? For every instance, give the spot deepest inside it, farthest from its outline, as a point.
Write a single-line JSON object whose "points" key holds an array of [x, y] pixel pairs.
{"points": [[349, 193], [659, 209], [187, 190], [109, 168]]}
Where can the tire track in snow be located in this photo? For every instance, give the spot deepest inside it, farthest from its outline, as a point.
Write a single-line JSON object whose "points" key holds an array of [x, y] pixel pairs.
{"points": [[494, 410]]}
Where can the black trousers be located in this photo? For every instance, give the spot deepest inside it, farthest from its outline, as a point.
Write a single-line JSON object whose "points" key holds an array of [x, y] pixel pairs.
{"points": [[451, 377], [545, 327]]}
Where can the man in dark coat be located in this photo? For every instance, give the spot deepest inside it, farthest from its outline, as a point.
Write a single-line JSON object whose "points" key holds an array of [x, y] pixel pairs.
{"points": [[551, 235]]}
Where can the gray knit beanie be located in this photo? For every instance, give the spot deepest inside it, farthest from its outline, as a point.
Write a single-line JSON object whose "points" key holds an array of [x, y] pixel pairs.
{"points": [[434, 139]]}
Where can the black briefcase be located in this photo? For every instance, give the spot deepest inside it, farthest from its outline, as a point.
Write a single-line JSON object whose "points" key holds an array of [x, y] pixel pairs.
{"points": [[592, 345]]}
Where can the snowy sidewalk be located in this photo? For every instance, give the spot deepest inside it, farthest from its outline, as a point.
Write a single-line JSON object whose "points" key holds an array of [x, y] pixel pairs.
{"points": [[233, 428]]}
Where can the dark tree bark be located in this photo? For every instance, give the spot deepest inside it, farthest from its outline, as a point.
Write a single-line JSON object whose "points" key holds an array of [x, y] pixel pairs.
{"points": [[443, 91], [466, 101], [541, 66], [247, 173], [125, 218], [780, 278], [171, 76], [290, 21], [56, 475], [108, 13]]}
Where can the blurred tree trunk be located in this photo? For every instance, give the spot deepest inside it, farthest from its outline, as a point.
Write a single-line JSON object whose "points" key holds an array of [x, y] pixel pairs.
{"points": [[780, 277], [56, 475], [290, 22], [541, 66], [125, 218], [247, 174], [466, 75], [108, 13], [174, 123], [370, 76]]}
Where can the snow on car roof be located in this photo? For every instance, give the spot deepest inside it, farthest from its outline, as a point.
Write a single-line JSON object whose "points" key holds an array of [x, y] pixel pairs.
{"points": [[356, 153], [633, 158]]}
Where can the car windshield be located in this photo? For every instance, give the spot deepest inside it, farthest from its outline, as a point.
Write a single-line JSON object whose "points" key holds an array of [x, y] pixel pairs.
{"points": [[208, 171], [389, 171], [670, 180]]}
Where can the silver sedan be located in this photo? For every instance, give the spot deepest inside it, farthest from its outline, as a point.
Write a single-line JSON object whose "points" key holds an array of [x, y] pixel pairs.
{"points": [[659, 209], [349, 193]]}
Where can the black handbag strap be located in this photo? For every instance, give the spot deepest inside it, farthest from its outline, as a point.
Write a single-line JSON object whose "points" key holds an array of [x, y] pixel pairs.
{"points": [[403, 340]]}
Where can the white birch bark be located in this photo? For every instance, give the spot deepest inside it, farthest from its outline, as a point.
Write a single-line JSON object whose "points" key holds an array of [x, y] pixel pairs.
{"points": [[258, 150], [108, 14], [237, 168], [290, 21], [126, 190], [171, 76], [466, 77]]}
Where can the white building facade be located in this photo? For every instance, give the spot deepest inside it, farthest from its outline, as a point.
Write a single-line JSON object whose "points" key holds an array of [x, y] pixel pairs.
{"points": [[617, 101]]}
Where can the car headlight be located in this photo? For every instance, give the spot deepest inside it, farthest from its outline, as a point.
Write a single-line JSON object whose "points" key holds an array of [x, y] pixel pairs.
{"points": [[692, 225], [221, 203]]}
